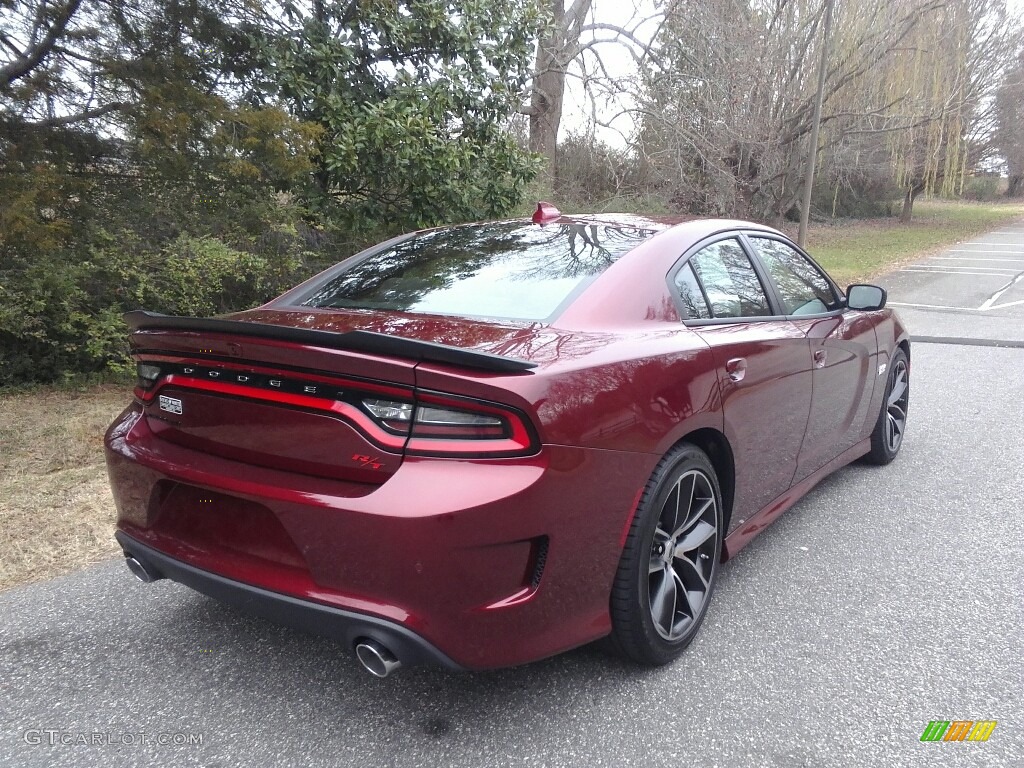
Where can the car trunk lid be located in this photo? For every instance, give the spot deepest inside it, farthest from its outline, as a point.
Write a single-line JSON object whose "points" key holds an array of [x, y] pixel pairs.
{"points": [[286, 396]]}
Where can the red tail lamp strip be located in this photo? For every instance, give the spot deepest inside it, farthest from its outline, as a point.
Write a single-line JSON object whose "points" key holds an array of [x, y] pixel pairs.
{"points": [[345, 410], [518, 440]]}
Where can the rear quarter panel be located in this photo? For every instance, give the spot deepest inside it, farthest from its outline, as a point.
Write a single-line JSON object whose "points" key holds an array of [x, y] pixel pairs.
{"points": [[635, 392]]}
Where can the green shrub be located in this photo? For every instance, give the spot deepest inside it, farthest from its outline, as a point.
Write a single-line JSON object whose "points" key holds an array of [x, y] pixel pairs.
{"points": [[984, 187], [61, 310]]}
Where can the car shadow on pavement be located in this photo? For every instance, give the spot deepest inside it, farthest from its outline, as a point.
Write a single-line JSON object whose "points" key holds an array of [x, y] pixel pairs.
{"points": [[266, 662], [265, 668]]}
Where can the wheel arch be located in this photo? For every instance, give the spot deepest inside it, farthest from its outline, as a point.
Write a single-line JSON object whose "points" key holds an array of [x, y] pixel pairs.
{"points": [[631, 614], [716, 445], [904, 344]]}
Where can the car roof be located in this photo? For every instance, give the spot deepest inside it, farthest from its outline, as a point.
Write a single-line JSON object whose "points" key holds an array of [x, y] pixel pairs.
{"points": [[640, 221], [695, 226], [633, 290]]}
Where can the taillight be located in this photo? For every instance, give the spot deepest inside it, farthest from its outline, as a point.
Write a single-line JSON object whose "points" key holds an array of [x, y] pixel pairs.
{"points": [[434, 425], [442, 426], [394, 415], [433, 421], [147, 375]]}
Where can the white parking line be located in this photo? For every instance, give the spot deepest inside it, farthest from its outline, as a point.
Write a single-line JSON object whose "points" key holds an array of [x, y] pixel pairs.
{"points": [[986, 250], [958, 270], [1008, 268], [950, 272], [973, 258], [990, 302], [930, 306]]}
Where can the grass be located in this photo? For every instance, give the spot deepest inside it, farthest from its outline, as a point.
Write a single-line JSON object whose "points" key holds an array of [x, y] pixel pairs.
{"points": [[860, 250], [56, 511]]}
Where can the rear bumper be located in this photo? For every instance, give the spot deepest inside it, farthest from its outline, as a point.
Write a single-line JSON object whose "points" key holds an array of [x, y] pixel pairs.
{"points": [[488, 563], [347, 626]]}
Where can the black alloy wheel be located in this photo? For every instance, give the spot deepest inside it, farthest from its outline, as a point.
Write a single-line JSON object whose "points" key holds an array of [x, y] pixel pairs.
{"points": [[667, 571]]}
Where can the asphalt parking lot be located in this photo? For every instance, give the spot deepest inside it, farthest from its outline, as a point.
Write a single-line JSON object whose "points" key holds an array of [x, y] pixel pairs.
{"points": [[885, 599]]}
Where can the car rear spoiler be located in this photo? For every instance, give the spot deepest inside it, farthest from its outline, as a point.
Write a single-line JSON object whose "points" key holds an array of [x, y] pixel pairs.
{"points": [[358, 341]]}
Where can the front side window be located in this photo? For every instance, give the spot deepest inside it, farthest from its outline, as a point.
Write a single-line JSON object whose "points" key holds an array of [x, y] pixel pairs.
{"points": [[511, 270], [804, 290], [729, 280]]}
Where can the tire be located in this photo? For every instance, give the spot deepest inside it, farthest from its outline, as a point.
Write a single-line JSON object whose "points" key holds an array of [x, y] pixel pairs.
{"points": [[682, 493], [887, 436]]}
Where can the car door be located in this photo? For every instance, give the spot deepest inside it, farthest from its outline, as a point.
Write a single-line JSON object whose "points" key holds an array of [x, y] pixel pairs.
{"points": [[842, 345], [763, 364]]}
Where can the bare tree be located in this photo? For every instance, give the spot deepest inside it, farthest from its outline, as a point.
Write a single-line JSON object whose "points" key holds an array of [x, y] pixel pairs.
{"points": [[555, 51], [812, 151], [1009, 127], [949, 71], [733, 99], [729, 99], [575, 45]]}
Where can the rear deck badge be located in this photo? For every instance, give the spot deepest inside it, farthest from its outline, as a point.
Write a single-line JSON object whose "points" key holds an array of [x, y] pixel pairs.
{"points": [[170, 404]]}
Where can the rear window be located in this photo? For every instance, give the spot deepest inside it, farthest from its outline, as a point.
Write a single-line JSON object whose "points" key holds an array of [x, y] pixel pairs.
{"points": [[510, 270]]}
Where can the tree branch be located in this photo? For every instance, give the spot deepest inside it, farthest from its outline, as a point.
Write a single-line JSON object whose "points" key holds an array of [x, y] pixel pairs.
{"points": [[31, 58], [88, 114]]}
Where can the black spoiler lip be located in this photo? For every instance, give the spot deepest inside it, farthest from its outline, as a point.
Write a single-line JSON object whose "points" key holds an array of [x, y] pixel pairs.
{"points": [[357, 341]]}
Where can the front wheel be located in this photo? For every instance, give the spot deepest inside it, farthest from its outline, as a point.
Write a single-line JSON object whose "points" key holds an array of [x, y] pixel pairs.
{"points": [[668, 567], [887, 437]]}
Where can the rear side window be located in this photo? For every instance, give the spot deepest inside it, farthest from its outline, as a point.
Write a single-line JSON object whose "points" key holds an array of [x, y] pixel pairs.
{"points": [[804, 290], [510, 270], [691, 295], [729, 281]]}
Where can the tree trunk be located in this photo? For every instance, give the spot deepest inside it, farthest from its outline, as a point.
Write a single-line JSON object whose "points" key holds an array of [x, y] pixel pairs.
{"points": [[546, 103], [1015, 187], [554, 53], [812, 142], [908, 202]]}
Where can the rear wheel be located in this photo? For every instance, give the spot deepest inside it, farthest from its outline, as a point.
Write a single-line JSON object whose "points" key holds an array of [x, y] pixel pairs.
{"points": [[887, 437], [668, 567]]}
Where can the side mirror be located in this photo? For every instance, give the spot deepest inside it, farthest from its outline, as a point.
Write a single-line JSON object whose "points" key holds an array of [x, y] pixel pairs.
{"points": [[865, 298]]}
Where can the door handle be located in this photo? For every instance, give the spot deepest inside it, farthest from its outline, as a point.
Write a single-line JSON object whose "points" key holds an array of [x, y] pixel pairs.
{"points": [[736, 368], [820, 355]]}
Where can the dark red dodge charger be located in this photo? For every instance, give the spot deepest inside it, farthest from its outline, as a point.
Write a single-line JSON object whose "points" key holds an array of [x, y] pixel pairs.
{"points": [[482, 445]]}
